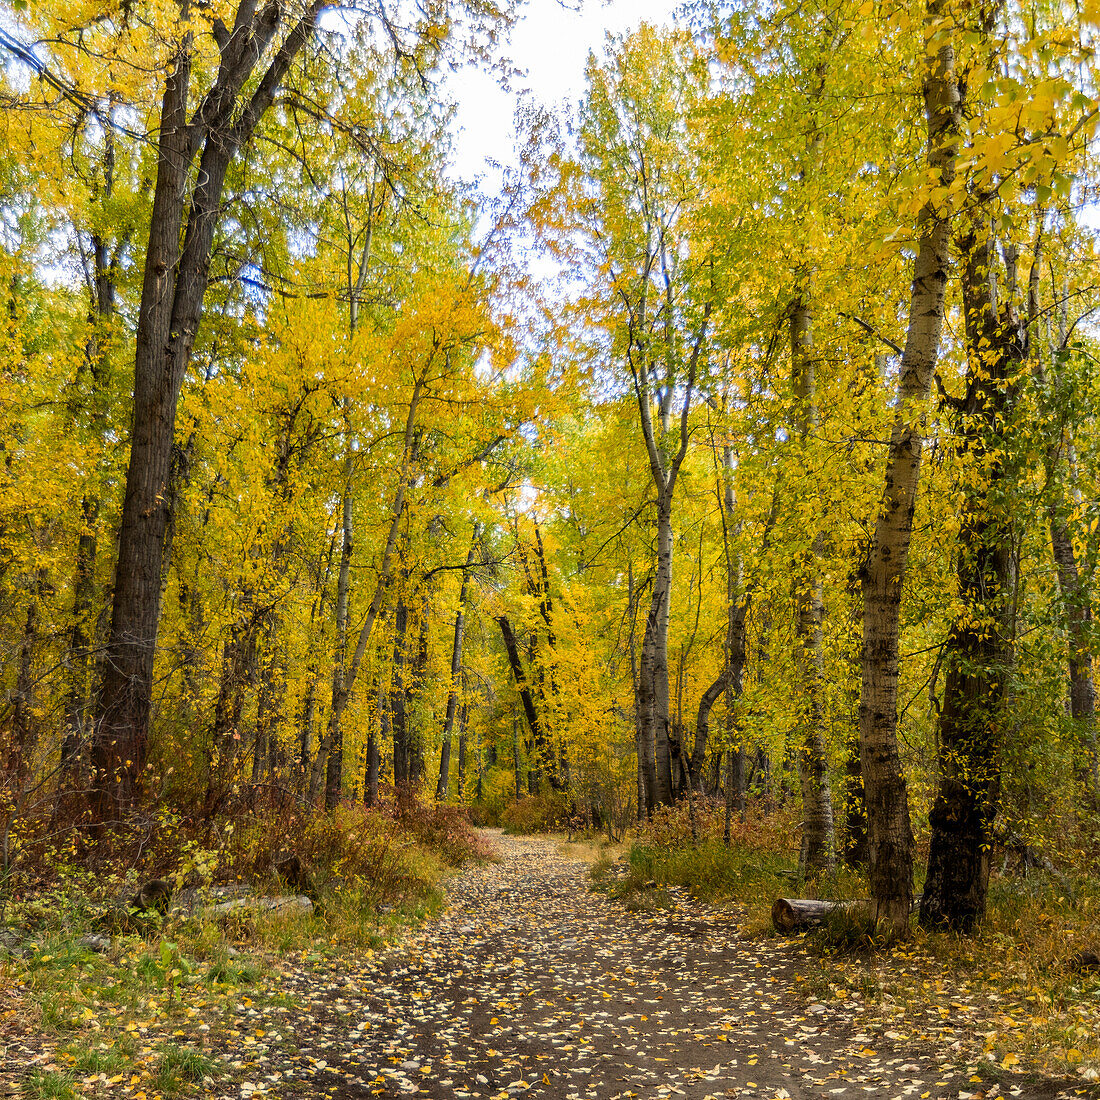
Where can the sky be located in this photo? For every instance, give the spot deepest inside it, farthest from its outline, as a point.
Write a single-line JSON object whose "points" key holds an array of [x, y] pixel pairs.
{"points": [[550, 45]]}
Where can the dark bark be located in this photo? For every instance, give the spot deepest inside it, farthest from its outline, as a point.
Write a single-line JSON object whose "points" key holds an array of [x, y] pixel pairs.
{"points": [[225, 735], [511, 647], [268, 706], [334, 771], [370, 779], [103, 275], [463, 718], [415, 689], [816, 853], [187, 206], [24, 728], [854, 846], [978, 651], [305, 730], [1078, 619], [516, 757], [402, 764]]}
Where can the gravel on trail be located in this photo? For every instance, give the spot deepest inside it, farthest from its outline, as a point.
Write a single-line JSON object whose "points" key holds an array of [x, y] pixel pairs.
{"points": [[531, 983]]}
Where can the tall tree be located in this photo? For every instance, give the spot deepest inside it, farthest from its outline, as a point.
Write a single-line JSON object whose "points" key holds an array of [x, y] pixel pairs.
{"points": [[636, 153], [978, 651], [209, 116], [889, 833]]}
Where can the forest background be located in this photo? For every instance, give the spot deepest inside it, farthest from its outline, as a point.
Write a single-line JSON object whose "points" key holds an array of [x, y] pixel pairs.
{"points": [[783, 491]]}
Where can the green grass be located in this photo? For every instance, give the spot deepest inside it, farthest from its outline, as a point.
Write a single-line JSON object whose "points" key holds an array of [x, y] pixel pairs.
{"points": [[712, 872], [50, 1085], [179, 1065], [97, 1060]]}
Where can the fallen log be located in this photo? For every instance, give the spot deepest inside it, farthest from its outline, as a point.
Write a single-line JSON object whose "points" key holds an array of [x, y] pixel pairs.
{"points": [[297, 905], [797, 914], [793, 914]]}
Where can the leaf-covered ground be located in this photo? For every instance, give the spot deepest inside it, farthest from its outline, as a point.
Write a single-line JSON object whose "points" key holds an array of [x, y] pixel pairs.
{"points": [[531, 983]]}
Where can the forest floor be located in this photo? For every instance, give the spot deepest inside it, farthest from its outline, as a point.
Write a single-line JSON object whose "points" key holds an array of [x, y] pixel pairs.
{"points": [[530, 982]]}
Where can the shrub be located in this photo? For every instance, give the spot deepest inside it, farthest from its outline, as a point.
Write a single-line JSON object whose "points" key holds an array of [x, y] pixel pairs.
{"points": [[539, 813]]}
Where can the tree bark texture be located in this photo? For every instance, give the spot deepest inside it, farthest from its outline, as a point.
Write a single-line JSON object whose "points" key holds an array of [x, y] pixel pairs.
{"points": [[653, 693], [334, 773], [187, 207], [511, 647], [978, 651], [890, 838], [399, 726]]}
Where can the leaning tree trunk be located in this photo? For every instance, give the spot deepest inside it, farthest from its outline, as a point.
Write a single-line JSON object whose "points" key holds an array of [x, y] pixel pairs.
{"points": [[511, 647], [890, 837]]}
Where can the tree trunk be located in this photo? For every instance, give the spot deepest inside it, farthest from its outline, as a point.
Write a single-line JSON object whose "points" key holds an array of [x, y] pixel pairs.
{"points": [[370, 779], [414, 690], [978, 652], [653, 692], [1078, 619], [511, 647], [402, 771], [890, 838], [95, 363], [225, 737], [334, 772], [817, 849], [639, 747], [515, 757], [463, 717], [653, 695], [24, 726], [173, 291], [268, 705]]}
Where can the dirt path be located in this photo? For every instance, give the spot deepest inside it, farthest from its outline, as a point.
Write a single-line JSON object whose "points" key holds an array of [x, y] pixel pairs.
{"points": [[530, 983]]}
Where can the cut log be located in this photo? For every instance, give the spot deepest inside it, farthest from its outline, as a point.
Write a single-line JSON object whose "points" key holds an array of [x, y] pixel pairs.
{"points": [[797, 914], [793, 914], [297, 905]]}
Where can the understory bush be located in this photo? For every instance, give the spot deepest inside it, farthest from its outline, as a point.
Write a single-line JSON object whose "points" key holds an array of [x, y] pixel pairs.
{"points": [[537, 813]]}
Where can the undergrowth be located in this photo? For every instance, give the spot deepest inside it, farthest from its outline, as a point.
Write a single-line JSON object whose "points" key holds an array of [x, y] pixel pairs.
{"points": [[536, 813], [757, 866], [115, 995]]}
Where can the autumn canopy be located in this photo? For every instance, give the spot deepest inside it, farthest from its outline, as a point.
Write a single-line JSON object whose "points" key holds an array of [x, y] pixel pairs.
{"points": [[315, 487]]}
